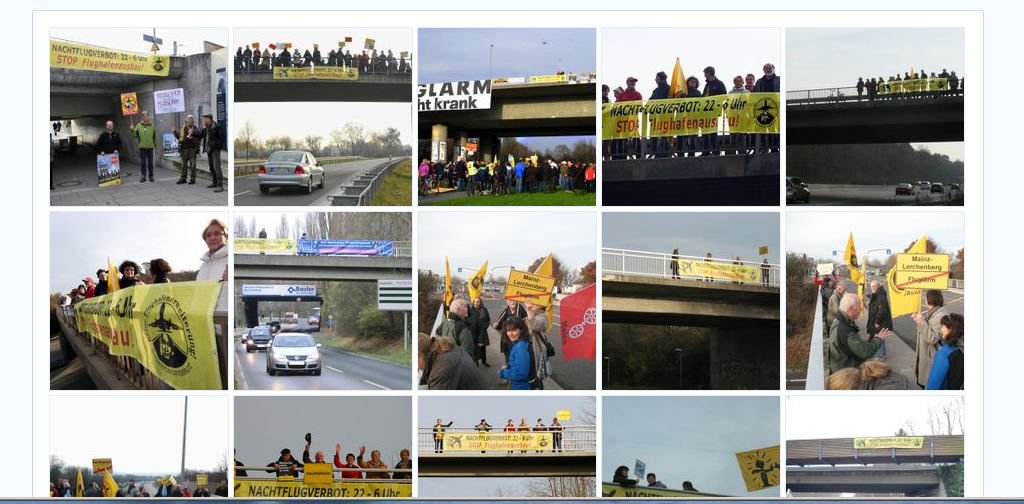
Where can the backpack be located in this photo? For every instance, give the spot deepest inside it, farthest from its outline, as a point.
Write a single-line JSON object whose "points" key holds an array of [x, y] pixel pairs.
{"points": [[955, 375]]}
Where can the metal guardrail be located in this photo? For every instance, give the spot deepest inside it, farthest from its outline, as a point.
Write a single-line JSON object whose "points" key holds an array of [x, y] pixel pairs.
{"points": [[816, 360], [254, 166], [846, 94], [575, 438], [934, 449], [372, 66], [403, 249], [361, 190], [130, 368], [656, 264]]}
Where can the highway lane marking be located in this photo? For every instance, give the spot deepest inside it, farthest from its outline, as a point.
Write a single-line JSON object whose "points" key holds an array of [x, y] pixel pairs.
{"points": [[333, 368], [241, 193], [376, 385]]}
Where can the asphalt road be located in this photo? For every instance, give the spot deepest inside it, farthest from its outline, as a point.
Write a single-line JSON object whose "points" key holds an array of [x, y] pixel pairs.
{"points": [[247, 188], [840, 195], [576, 374], [340, 371]]}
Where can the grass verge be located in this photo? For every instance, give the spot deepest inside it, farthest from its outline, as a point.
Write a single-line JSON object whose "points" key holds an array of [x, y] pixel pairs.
{"points": [[396, 190], [385, 351]]}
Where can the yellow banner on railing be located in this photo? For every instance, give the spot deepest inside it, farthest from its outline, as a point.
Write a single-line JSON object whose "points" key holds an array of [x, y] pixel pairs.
{"points": [[283, 246], [167, 327], [908, 442], [317, 72], [98, 59], [733, 113], [640, 492], [723, 271], [913, 86], [535, 79], [485, 441], [273, 488]]}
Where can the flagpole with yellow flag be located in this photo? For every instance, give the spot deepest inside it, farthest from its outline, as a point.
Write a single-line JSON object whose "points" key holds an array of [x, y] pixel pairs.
{"points": [[79, 485], [850, 256], [677, 87], [110, 487], [476, 282], [546, 268], [904, 300], [112, 283]]}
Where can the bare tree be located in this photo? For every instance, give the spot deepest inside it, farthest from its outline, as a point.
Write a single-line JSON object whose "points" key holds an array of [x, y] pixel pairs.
{"points": [[247, 135], [338, 140], [389, 140], [354, 134], [313, 143], [946, 417], [239, 226], [283, 229]]}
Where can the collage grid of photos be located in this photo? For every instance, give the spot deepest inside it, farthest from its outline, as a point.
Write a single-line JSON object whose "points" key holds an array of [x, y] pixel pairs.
{"points": [[693, 351]]}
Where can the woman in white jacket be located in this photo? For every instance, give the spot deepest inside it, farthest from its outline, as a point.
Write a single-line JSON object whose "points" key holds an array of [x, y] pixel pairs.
{"points": [[215, 260]]}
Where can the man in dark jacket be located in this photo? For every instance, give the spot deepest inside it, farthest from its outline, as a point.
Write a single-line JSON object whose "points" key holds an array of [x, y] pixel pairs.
{"points": [[769, 83], [713, 87], [457, 327], [285, 465], [660, 93], [213, 140], [480, 338], [109, 141], [101, 283], [879, 315], [239, 472]]}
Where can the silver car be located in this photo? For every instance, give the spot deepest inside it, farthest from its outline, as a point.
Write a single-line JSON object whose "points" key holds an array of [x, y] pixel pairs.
{"points": [[293, 352], [291, 169]]}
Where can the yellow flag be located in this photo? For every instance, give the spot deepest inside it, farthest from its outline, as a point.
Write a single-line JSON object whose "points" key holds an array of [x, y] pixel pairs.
{"points": [[677, 86], [109, 485], [476, 282], [904, 301], [112, 283], [851, 260], [79, 485], [448, 296], [546, 268], [760, 468]]}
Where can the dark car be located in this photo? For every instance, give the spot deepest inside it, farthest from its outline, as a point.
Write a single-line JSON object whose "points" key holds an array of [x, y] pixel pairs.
{"points": [[796, 191], [905, 189], [259, 338], [938, 188]]}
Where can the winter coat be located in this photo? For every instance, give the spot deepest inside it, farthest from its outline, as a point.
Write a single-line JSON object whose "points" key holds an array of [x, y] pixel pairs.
{"points": [[766, 85], [938, 376], [519, 362], [454, 370], [846, 348], [929, 340], [108, 142], [458, 330], [483, 321], [212, 269], [879, 315]]}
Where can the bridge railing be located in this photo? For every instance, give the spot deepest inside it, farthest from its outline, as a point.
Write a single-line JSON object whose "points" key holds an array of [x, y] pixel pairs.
{"points": [[816, 359], [846, 94], [575, 438], [267, 473], [403, 249], [656, 264], [933, 449], [724, 144], [373, 67]]}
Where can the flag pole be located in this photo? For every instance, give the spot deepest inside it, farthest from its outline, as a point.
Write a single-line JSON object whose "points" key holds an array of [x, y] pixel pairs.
{"points": [[184, 432]]}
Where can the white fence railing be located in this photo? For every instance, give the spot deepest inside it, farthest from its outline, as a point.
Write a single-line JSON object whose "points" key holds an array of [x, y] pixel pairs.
{"points": [[656, 264]]}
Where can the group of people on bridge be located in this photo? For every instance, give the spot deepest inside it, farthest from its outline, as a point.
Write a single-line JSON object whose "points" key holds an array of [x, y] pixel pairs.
{"points": [[555, 428], [894, 89], [251, 60], [708, 144], [621, 477], [63, 488], [525, 175], [858, 363], [287, 465], [451, 358]]}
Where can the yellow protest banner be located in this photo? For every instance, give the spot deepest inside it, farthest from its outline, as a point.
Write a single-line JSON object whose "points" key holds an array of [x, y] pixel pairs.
{"points": [[905, 300], [908, 442], [632, 492], [914, 280], [724, 271], [736, 113], [913, 86], [564, 415], [760, 468], [102, 465], [318, 72], [922, 271], [763, 250], [535, 289], [202, 479], [283, 246], [99, 59], [318, 472], [535, 79], [476, 282], [167, 327], [129, 104], [497, 441], [274, 488], [850, 256]]}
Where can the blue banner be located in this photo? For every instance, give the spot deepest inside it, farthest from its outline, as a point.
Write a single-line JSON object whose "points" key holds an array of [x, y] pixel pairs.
{"points": [[346, 248]]}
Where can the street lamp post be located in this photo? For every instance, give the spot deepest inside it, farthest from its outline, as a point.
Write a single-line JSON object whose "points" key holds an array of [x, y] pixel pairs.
{"points": [[490, 59], [679, 353]]}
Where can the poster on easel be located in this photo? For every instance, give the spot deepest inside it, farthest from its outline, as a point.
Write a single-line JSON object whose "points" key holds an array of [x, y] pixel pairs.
{"points": [[108, 169]]}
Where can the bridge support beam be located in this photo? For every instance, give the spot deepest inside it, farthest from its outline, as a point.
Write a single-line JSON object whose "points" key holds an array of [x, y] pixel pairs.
{"points": [[744, 358], [488, 148]]}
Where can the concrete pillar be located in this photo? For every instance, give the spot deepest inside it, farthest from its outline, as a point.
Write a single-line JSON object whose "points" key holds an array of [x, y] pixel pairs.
{"points": [[461, 144], [439, 133], [744, 359], [487, 149]]}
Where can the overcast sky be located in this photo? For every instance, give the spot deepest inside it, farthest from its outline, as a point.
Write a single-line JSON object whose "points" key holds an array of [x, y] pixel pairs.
{"points": [[836, 57], [688, 438], [298, 119], [81, 242], [643, 52], [467, 412], [190, 40], [817, 234], [140, 434], [823, 417], [395, 39], [454, 54], [265, 425], [470, 238], [724, 234]]}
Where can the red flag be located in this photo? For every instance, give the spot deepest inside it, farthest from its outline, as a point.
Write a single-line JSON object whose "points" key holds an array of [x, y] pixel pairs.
{"points": [[578, 323], [348, 39], [273, 47]]}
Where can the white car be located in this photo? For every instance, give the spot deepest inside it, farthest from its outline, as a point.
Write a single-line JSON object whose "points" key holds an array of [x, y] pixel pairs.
{"points": [[293, 352], [291, 169]]}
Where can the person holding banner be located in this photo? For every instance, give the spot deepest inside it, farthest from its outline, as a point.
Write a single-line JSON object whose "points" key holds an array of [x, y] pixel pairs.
{"points": [[145, 135], [456, 326], [712, 87], [129, 269], [285, 465], [621, 477], [187, 137]]}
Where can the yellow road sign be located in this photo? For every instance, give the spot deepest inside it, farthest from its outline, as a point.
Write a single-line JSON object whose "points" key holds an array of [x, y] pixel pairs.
{"points": [[202, 479], [760, 468], [318, 473], [523, 286], [922, 263], [913, 280]]}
